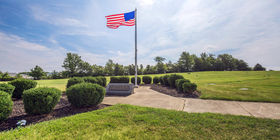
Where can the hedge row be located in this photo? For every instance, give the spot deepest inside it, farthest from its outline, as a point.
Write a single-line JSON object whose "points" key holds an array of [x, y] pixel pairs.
{"points": [[81, 92], [177, 81], [94, 80]]}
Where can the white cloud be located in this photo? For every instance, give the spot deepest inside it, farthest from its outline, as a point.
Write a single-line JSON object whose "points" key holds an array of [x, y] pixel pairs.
{"points": [[54, 18], [16, 42], [18, 55]]}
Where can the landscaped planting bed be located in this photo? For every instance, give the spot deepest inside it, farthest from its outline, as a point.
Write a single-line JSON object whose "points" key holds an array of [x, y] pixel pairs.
{"points": [[62, 109]]}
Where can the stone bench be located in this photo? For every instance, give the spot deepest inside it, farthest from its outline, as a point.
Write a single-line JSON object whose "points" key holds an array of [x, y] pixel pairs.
{"points": [[119, 89]]}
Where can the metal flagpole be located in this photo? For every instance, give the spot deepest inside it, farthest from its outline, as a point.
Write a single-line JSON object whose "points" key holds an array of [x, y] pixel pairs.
{"points": [[135, 47]]}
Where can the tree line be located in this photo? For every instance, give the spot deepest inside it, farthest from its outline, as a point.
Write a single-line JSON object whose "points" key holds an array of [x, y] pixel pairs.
{"points": [[74, 66]]}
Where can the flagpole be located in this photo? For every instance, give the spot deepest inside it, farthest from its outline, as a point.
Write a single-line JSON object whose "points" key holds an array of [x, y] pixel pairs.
{"points": [[135, 47]]}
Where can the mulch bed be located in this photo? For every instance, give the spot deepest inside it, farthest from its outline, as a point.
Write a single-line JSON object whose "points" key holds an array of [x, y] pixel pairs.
{"points": [[173, 92], [62, 109]]}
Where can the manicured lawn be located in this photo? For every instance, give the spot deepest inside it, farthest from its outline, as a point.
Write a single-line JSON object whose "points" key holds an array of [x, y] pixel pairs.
{"points": [[130, 122], [56, 83], [260, 86]]}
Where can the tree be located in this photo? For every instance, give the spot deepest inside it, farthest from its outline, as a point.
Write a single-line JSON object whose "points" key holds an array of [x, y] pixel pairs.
{"points": [[159, 59], [118, 69], [228, 62], [141, 70], [259, 67], [84, 69], [109, 67], [37, 73], [242, 65], [56, 75], [71, 63], [160, 67], [185, 62], [98, 70]]}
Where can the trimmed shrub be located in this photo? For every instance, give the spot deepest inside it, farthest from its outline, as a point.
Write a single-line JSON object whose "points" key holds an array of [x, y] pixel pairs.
{"points": [[7, 88], [156, 80], [92, 80], [138, 80], [121, 79], [21, 85], [179, 84], [102, 80], [189, 87], [161, 80], [6, 105], [40, 100], [85, 94], [165, 80], [147, 79], [172, 78], [74, 80]]}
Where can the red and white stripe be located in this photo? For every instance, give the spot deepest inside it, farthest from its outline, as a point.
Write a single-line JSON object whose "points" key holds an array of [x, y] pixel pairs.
{"points": [[114, 21]]}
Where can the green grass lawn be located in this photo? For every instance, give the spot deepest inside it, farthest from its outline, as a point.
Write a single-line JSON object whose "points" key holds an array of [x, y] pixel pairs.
{"points": [[263, 86], [130, 122]]}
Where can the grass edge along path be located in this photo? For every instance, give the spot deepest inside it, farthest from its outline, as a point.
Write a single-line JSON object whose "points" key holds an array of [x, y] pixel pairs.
{"points": [[130, 122]]}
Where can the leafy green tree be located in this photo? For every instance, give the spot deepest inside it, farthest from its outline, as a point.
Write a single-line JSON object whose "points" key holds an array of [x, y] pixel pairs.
{"points": [[37, 73], [159, 59], [228, 61], [98, 70], [242, 65], [160, 67], [109, 67], [84, 69], [131, 69], [118, 69], [141, 70], [259, 67], [56, 75], [71, 64], [185, 62]]}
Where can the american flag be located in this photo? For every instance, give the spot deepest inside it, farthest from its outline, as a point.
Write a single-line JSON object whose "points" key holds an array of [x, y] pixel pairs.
{"points": [[124, 19]]}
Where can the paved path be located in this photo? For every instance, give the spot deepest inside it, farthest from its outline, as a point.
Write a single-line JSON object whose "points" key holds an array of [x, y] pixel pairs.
{"points": [[144, 96]]}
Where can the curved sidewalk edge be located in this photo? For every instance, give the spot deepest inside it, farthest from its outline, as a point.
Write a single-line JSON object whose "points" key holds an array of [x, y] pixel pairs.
{"points": [[144, 96]]}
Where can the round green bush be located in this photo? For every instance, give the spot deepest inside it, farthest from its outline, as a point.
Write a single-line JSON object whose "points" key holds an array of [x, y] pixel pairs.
{"points": [[138, 80], [22, 85], [7, 88], [102, 80], [165, 80], [172, 78], [92, 80], [189, 87], [121, 79], [74, 80], [40, 100], [6, 105], [179, 84], [85, 94], [147, 79], [161, 80], [156, 80]]}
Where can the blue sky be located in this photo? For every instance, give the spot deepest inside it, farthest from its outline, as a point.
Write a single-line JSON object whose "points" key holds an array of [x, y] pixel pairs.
{"points": [[42, 32]]}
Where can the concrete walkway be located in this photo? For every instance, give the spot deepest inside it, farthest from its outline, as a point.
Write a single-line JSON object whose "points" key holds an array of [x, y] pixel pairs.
{"points": [[144, 96]]}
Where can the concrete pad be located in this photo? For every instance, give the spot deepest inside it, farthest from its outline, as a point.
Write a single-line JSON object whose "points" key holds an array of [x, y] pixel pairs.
{"points": [[144, 96], [262, 110], [214, 106]]}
